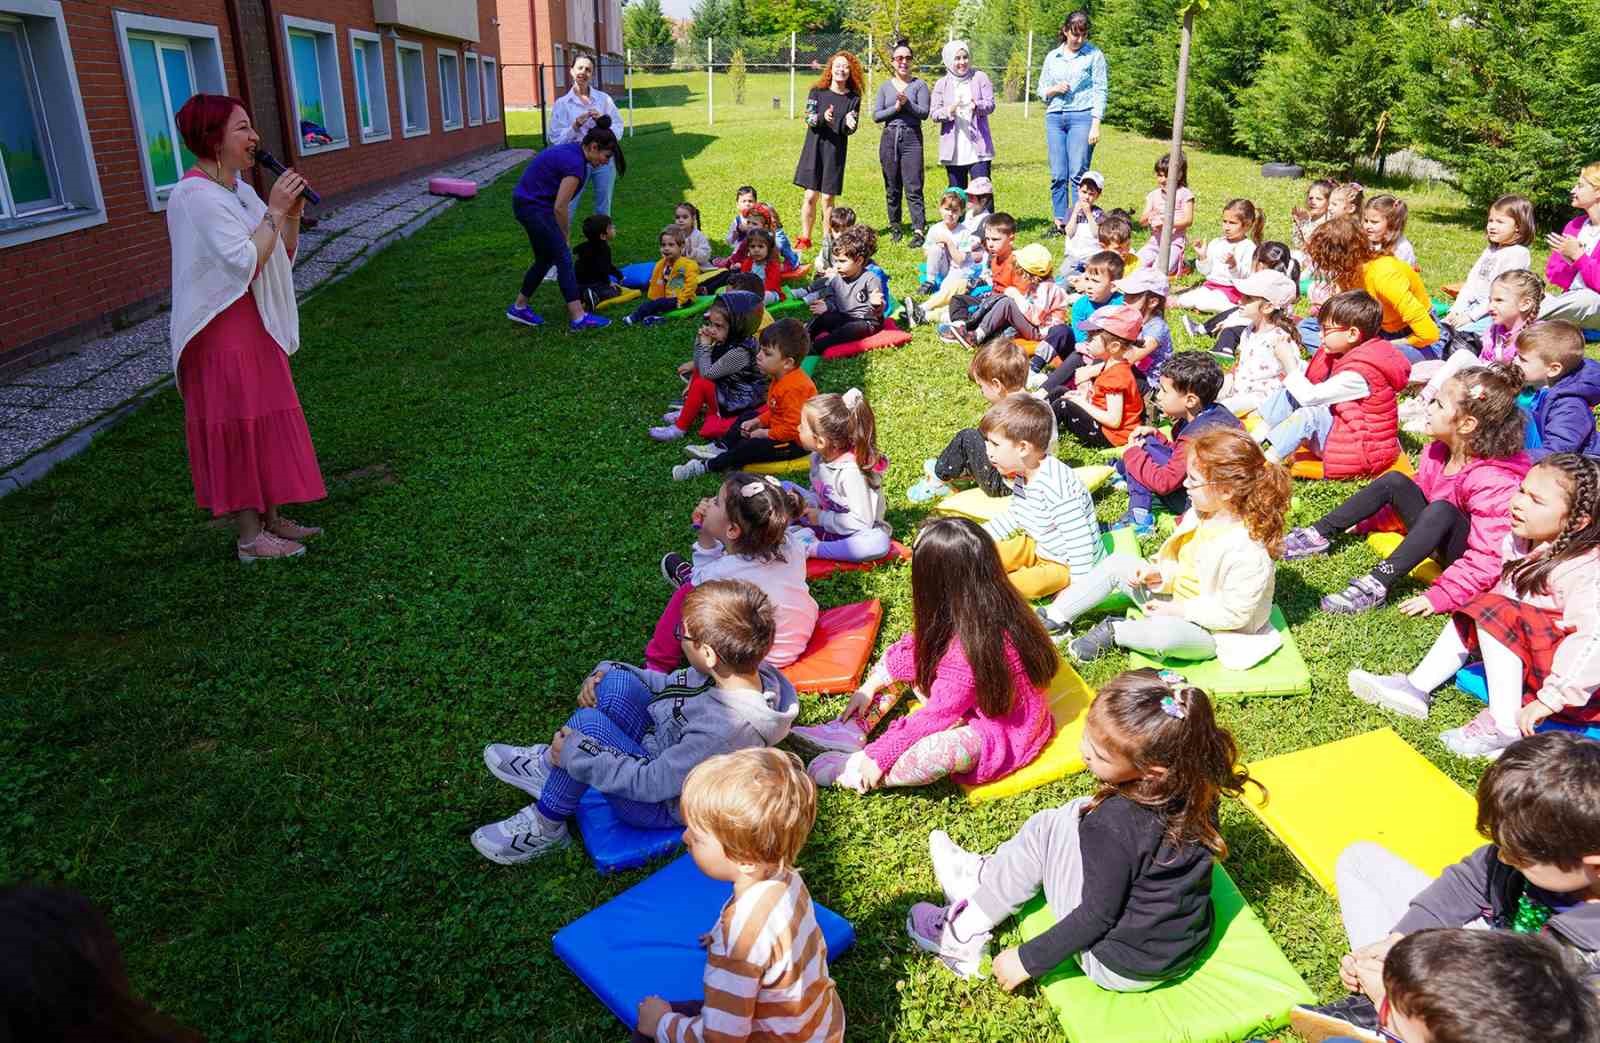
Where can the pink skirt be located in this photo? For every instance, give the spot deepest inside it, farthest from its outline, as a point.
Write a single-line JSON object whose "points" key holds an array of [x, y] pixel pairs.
{"points": [[249, 448]]}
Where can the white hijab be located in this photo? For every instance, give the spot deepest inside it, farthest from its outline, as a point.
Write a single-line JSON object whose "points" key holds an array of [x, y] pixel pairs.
{"points": [[948, 54], [214, 263]]}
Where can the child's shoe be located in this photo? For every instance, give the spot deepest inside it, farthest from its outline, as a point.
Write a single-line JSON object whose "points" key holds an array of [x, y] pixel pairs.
{"points": [[1304, 542], [1362, 594], [954, 866], [927, 289], [1054, 627], [1479, 737], [967, 338], [1354, 1017], [836, 769], [524, 315], [266, 546], [676, 569], [1036, 379], [1140, 520], [667, 433], [653, 320], [915, 316], [1095, 643], [930, 928], [704, 451], [525, 767], [1195, 329], [928, 488], [590, 321], [835, 736], [948, 334], [671, 416], [293, 531], [688, 469], [524, 836], [1392, 692]]}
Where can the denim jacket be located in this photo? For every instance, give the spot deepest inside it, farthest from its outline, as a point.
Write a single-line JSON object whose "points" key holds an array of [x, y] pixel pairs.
{"points": [[1084, 72]]}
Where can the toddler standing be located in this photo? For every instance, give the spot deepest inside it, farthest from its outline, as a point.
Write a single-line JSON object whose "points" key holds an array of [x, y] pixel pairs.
{"points": [[1155, 213]]}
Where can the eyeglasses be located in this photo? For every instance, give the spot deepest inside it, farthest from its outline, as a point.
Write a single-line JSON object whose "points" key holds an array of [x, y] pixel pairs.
{"points": [[1190, 483], [901, 58], [679, 634]]}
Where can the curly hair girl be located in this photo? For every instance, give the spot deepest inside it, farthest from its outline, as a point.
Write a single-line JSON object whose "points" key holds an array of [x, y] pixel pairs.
{"points": [[1340, 249]]}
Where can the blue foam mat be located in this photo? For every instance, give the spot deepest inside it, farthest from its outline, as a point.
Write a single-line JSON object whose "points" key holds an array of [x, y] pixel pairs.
{"points": [[1470, 679], [614, 845], [636, 276], [646, 941]]}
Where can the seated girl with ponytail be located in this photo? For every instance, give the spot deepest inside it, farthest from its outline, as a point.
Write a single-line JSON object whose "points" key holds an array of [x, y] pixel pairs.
{"points": [[844, 506]]}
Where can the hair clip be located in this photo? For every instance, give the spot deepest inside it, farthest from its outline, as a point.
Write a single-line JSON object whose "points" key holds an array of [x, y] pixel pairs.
{"points": [[754, 488], [1476, 392], [852, 397], [1175, 705], [1170, 707]]}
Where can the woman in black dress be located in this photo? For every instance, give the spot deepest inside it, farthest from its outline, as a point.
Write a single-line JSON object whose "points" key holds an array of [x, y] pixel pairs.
{"points": [[833, 108]]}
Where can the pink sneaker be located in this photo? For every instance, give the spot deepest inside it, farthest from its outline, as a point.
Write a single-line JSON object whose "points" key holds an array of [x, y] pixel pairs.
{"points": [[1479, 737], [293, 531], [266, 545], [834, 735]]}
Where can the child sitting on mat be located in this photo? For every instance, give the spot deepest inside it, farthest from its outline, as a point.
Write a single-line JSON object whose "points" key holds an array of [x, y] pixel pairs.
{"points": [[980, 658], [748, 815], [999, 368], [724, 381], [1343, 405], [1064, 341], [1031, 308], [1537, 629], [1226, 259], [1208, 593], [1565, 386], [637, 732], [774, 432], [1228, 326], [1264, 302], [1384, 221], [945, 250], [1104, 413], [696, 245], [761, 260], [847, 305], [744, 282], [599, 278], [1126, 873], [1454, 510], [1539, 807], [845, 505], [1154, 466], [743, 534], [672, 281], [1048, 534]]}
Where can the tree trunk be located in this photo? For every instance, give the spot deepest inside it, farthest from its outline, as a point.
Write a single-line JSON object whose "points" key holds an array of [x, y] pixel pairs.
{"points": [[1177, 137]]}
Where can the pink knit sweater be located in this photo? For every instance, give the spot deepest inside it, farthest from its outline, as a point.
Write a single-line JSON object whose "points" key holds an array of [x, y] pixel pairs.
{"points": [[1010, 741]]}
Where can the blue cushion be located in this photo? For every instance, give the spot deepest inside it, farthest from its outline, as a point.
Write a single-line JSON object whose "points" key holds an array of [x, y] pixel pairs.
{"points": [[637, 276], [646, 941], [1470, 679], [1591, 335], [612, 843]]}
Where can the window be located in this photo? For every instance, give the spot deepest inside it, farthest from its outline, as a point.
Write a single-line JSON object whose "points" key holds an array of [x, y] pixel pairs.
{"points": [[474, 90], [315, 86], [491, 90], [559, 71], [164, 63], [372, 92], [48, 182], [450, 89], [413, 88]]}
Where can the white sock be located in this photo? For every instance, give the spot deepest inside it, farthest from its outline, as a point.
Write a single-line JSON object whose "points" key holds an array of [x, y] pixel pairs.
{"points": [[971, 922]]}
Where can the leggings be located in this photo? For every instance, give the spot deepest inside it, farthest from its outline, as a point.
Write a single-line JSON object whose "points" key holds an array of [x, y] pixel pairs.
{"points": [[701, 394], [618, 720], [965, 455], [866, 545], [964, 306], [550, 250], [837, 327], [1079, 423], [653, 306], [960, 175], [1163, 636], [712, 279], [932, 757], [744, 451], [1228, 336], [1502, 671], [1432, 527], [1007, 312]]}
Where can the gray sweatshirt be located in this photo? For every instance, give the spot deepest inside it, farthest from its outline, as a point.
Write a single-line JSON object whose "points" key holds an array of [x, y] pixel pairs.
{"points": [[852, 296], [691, 719]]}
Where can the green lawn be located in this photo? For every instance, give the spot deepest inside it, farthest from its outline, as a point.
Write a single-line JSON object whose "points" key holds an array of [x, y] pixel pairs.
{"points": [[268, 775]]}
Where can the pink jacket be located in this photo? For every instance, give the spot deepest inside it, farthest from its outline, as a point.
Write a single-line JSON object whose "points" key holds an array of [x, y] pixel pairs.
{"points": [[1575, 597], [1560, 271], [1482, 491], [1009, 742]]}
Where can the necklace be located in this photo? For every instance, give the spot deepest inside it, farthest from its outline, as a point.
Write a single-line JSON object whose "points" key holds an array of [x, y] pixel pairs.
{"points": [[217, 179]]}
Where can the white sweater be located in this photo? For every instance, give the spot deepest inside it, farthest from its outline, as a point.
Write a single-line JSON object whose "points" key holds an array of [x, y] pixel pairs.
{"points": [[1213, 264], [1237, 582], [781, 579], [846, 502], [1055, 508], [1472, 303]]}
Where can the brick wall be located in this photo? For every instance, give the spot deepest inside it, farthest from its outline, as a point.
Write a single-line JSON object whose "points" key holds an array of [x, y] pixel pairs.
{"points": [[65, 287]]}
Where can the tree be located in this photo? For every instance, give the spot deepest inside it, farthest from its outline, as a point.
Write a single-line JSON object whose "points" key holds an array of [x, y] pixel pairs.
{"points": [[782, 17], [645, 30], [713, 20], [736, 75], [923, 22]]}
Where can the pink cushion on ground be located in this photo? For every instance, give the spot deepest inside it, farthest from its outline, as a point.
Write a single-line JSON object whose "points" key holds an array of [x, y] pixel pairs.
{"points": [[836, 656], [891, 336], [818, 568], [459, 187]]}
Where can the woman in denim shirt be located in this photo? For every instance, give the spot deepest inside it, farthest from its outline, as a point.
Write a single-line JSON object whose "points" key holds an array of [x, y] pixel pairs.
{"points": [[1073, 86]]}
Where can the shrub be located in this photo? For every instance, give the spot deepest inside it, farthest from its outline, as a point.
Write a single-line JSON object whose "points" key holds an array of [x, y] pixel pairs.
{"points": [[736, 75], [1014, 84]]}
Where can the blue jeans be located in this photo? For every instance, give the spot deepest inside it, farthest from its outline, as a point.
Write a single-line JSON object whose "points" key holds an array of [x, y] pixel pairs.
{"points": [[1141, 497], [1294, 425], [550, 250], [604, 179], [1066, 136], [617, 720]]}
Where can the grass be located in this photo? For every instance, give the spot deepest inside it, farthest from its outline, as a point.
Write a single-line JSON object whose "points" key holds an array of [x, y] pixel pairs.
{"points": [[268, 775]]}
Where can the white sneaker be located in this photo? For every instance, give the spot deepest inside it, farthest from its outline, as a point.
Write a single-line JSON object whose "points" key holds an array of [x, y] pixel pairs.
{"points": [[1392, 692], [704, 450], [520, 838], [688, 469], [667, 433], [954, 867], [1036, 381], [1479, 737], [931, 928], [525, 767]]}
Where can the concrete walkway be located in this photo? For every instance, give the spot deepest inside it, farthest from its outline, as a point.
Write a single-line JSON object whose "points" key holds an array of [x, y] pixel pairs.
{"points": [[54, 411]]}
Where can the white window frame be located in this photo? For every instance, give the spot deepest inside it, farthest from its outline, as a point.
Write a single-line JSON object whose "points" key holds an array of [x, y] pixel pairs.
{"points": [[370, 47], [472, 75], [77, 199], [444, 107], [559, 73], [332, 93], [406, 130], [491, 89], [203, 44]]}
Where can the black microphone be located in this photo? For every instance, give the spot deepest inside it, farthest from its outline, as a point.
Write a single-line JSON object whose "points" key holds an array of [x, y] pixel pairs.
{"points": [[268, 160]]}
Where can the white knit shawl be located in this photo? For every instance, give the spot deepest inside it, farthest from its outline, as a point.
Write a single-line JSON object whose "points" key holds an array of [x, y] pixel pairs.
{"points": [[214, 263]]}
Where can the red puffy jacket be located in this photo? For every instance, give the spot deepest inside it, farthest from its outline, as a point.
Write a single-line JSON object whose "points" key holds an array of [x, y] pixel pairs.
{"points": [[1365, 439]]}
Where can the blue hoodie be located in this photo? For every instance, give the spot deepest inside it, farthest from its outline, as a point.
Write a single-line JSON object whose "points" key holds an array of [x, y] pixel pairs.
{"points": [[1563, 413]]}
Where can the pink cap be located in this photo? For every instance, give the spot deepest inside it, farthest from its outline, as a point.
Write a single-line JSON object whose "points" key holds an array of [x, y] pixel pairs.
{"points": [[1119, 320]]}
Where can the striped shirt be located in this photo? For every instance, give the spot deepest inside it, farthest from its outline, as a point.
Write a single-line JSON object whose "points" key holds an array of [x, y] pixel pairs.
{"points": [[766, 973], [1054, 508]]}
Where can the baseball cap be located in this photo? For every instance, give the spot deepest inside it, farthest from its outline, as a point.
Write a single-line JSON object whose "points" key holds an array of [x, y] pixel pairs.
{"points": [[1098, 178], [980, 186], [1270, 285], [1120, 320], [1142, 280], [1033, 259]]}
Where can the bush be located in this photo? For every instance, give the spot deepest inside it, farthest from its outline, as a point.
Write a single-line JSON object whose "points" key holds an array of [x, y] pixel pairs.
{"points": [[1505, 118], [1014, 84], [736, 75]]}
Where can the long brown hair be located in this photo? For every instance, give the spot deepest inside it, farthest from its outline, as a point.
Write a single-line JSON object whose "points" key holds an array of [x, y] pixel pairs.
{"points": [[1489, 394], [959, 592], [1339, 249], [1251, 216], [1169, 724], [1580, 477], [845, 424], [762, 509], [1257, 488], [858, 82]]}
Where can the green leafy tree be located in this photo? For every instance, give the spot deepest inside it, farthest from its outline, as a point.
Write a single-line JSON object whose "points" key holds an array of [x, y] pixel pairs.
{"points": [[1505, 118], [1015, 81], [645, 30], [713, 20], [923, 22], [782, 17]]}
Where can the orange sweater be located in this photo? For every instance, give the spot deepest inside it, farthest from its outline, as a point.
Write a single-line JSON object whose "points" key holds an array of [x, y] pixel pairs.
{"points": [[788, 394]]}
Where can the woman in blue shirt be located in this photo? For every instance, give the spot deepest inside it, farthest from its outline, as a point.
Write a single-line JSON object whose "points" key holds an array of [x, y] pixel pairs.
{"points": [[542, 202], [1073, 86]]}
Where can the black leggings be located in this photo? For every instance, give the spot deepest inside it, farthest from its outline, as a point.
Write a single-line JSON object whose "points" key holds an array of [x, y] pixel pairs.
{"points": [[743, 451], [711, 280], [1227, 338], [965, 456], [900, 155], [1432, 527], [960, 175], [837, 327], [1079, 424]]}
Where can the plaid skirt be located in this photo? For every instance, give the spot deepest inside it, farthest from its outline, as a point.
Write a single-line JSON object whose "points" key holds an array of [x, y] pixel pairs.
{"points": [[1533, 633]]}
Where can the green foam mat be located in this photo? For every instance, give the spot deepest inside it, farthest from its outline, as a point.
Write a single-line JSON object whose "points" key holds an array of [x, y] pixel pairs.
{"points": [[1281, 673]]}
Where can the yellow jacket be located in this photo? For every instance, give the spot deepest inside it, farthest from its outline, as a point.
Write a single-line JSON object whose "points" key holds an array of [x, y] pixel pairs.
{"points": [[679, 282]]}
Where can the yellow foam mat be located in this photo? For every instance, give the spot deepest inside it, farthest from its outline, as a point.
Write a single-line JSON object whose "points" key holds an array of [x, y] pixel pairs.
{"points": [[1383, 545], [974, 503], [1069, 704], [625, 297], [799, 465], [1371, 787]]}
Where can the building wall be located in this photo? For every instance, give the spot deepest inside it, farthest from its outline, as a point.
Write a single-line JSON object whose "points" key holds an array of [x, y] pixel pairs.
{"points": [[530, 32], [78, 283]]}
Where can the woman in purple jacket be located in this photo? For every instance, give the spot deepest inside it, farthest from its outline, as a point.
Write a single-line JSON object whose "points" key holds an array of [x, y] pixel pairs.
{"points": [[1574, 263], [962, 101]]}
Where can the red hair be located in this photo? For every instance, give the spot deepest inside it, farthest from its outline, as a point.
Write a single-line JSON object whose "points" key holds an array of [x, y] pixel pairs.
{"points": [[203, 121], [857, 80]]}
